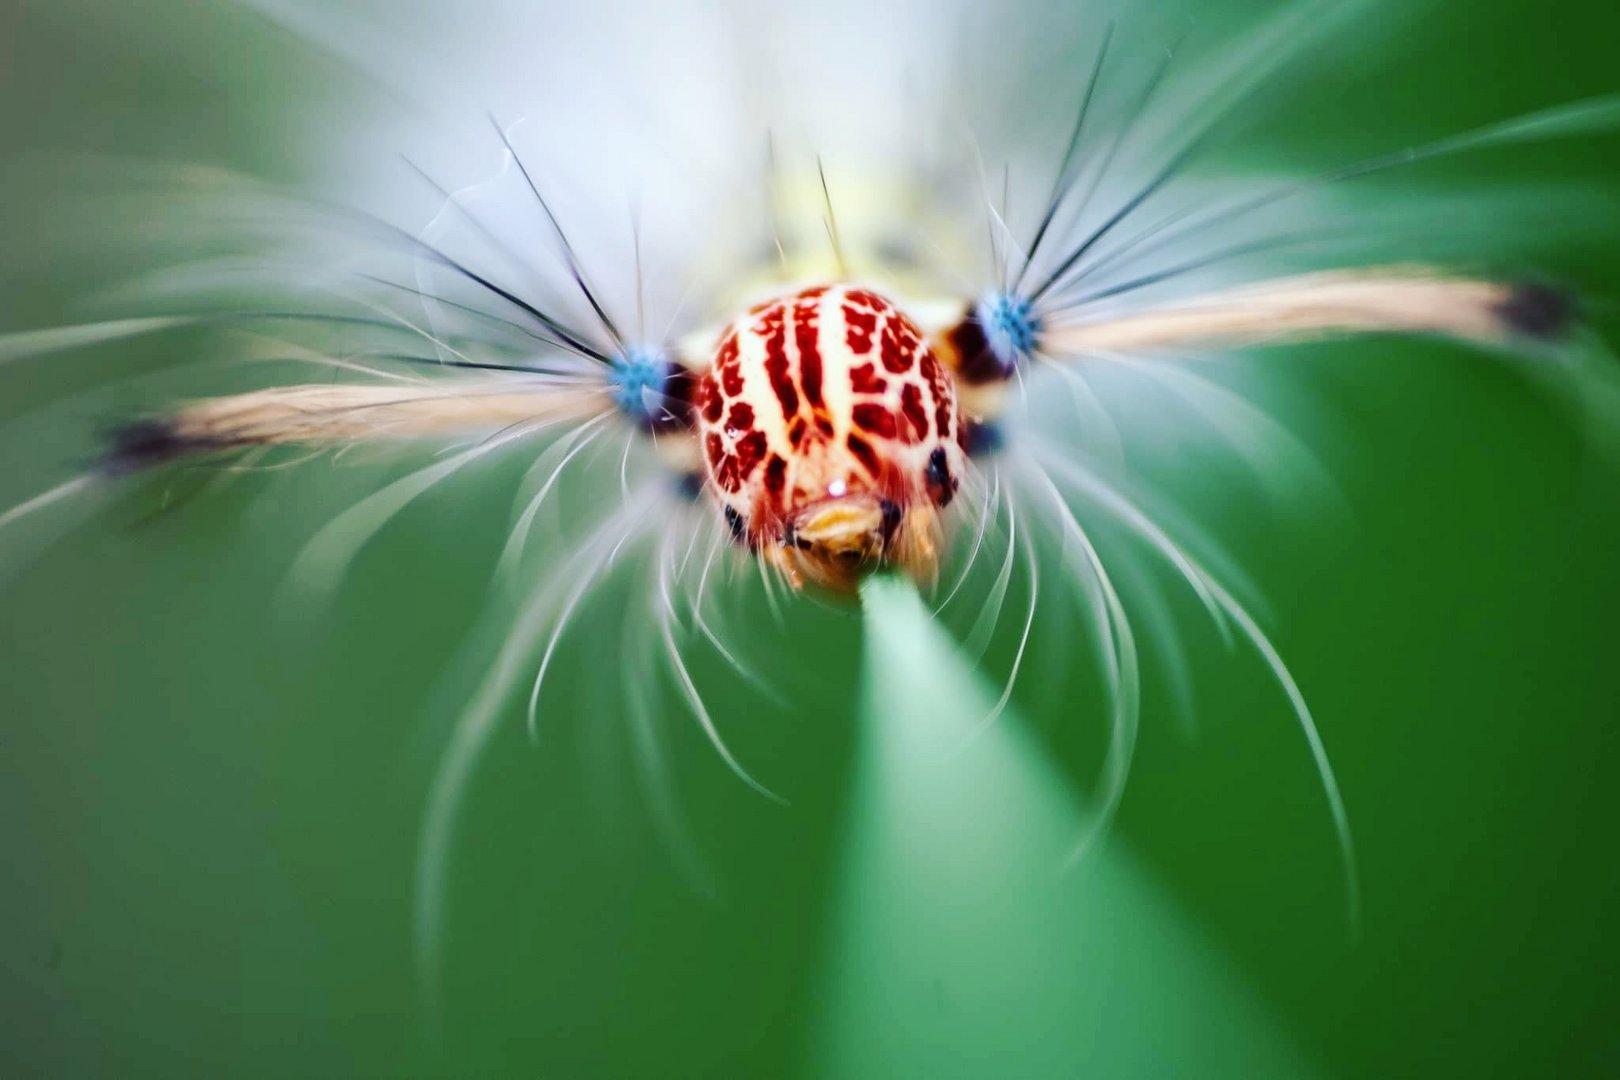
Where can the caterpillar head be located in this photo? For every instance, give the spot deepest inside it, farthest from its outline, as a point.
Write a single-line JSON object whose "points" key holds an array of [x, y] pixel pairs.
{"points": [[830, 436]]}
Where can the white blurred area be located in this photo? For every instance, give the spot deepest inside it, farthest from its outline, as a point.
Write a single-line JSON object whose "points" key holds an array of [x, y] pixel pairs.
{"points": [[697, 129], [671, 120]]}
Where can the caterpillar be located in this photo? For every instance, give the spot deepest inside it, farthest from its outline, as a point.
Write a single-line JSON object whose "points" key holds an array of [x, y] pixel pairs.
{"points": [[848, 383]]}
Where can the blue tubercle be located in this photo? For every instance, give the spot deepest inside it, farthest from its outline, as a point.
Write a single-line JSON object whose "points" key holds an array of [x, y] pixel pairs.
{"points": [[1010, 326], [640, 378]]}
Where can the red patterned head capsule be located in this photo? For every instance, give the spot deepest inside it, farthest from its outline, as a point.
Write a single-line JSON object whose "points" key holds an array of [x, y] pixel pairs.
{"points": [[830, 431]]}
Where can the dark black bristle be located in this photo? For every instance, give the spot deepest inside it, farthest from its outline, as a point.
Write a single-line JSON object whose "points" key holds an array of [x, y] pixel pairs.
{"points": [[575, 270], [142, 444], [1537, 311]]}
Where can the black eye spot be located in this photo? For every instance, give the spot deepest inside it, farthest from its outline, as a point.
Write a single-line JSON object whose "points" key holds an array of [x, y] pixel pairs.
{"points": [[941, 485], [891, 518], [735, 520]]}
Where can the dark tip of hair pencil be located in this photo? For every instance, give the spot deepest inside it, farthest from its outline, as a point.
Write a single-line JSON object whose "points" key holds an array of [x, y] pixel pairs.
{"points": [[142, 444], [1537, 310]]}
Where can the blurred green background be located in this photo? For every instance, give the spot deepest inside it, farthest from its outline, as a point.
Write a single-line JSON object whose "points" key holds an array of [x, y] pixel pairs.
{"points": [[210, 818]]}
